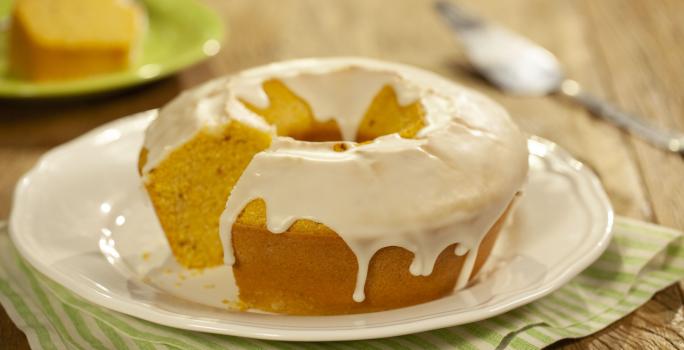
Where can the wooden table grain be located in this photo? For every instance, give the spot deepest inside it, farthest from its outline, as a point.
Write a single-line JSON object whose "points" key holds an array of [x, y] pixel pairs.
{"points": [[629, 51]]}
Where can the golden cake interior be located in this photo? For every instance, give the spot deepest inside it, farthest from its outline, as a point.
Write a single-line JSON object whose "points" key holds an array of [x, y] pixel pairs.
{"points": [[66, 39], [308, 269]]}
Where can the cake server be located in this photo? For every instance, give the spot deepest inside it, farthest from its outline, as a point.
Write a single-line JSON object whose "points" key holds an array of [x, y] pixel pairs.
{"points": [[518, 66]]}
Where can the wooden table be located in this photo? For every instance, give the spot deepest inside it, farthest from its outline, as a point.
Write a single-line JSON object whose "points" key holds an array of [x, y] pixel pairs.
{"points": [[629, 51]]}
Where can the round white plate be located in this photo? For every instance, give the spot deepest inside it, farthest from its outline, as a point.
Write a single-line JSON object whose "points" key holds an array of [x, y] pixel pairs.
{"points": [[81, 217]]}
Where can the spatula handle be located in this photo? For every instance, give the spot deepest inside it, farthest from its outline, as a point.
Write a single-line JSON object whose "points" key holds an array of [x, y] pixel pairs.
{"points": [[666, 139]]}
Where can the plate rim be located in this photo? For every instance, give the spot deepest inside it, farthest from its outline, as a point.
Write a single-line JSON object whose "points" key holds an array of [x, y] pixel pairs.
{"points": [[167, 318], [113, 81]]}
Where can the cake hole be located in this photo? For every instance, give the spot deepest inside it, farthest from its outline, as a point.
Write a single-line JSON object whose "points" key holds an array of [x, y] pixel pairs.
{"points": [[293, 116]]}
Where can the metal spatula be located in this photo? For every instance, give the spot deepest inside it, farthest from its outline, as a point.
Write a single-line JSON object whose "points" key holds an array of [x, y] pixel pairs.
{"points": [[518, 66]]}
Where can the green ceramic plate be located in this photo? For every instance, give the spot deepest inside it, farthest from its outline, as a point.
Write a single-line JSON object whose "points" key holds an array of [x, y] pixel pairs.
{"points": [[180, 33]]}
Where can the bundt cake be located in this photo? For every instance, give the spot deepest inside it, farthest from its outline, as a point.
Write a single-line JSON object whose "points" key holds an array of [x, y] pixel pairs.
{"points": [[333, 186]]}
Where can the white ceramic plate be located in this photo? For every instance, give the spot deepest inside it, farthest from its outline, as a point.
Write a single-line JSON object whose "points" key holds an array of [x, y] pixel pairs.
{"points": [[81, 218]]}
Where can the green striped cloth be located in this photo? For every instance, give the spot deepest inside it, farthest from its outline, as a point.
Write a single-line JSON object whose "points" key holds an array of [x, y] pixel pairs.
{"points": [[641, 259]]}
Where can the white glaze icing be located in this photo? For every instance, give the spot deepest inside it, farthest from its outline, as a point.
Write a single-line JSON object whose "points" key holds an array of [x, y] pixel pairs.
{"points": [[448, 185], [204, 107], [343, 95]]}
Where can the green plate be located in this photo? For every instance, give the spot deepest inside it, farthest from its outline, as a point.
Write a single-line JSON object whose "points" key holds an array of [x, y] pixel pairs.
{"points": [[180, 33]]}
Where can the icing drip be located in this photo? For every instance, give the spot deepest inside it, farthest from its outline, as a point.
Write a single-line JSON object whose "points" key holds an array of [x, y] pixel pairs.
{"points": [[350, 208], [467, 268], [448, 185]]}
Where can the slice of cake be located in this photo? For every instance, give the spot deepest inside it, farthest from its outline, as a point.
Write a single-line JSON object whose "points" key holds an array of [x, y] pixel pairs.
{"points": [[66, 39]]}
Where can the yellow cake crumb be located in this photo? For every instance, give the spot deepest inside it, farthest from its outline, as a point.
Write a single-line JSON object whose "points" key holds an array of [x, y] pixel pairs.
{"points": [[65, 39]]}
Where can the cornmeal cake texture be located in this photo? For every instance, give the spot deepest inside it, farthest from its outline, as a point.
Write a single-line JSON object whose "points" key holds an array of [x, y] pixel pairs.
{"points": [[66, 39]]}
